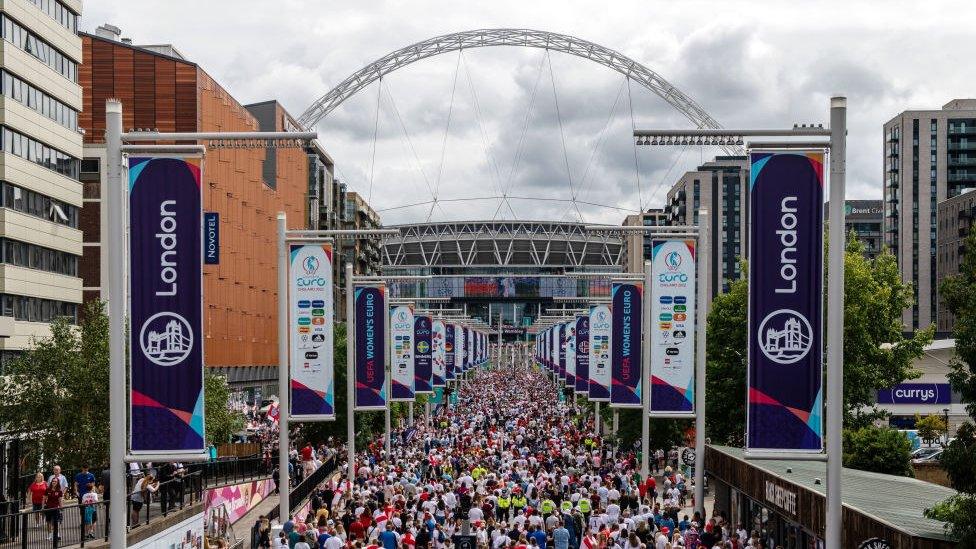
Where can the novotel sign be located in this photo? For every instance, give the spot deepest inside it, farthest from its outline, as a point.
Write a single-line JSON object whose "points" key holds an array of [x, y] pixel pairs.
{"points": [[916, 393]]}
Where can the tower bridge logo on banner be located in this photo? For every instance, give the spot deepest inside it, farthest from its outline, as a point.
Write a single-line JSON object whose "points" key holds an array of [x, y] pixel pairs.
{"points": [[166, 339], [785, 336]]}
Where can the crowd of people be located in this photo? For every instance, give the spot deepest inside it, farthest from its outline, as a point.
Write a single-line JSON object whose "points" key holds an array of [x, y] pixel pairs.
{"points": [[512, 467]]}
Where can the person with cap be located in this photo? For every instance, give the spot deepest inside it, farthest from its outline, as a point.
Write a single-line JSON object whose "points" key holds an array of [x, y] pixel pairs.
{"points": [[661, 541]]}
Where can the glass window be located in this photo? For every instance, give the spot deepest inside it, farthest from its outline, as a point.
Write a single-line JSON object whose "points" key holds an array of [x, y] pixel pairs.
{"points": [[41, 154], [47, 54]]}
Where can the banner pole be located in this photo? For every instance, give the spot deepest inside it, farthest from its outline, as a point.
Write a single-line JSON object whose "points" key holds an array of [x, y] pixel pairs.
{"points": [[835, 318], [389, 378], [646, 374], [350, 379], [116, 317], [410, 413], [702, 253], [284, 484]]}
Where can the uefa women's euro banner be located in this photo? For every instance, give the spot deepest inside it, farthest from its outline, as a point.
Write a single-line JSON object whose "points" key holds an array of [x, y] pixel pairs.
{"points": [[561, 349], [310, 328], [785, 302], [570, 328], [422, 355], [401, 354], [438, 354], [601, 327], [625, 388], [370, 310], [582, 355], [449, 354], [165, 306], [672, 327]]}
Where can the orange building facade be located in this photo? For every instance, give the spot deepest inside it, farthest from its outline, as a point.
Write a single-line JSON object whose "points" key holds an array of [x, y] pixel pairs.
{"points": [[161, 90]]}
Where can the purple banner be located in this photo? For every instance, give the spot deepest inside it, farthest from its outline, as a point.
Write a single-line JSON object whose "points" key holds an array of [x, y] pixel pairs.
{"points": [[625, 366], [166, 300], [423, 370], [370, 339], [785, 300], [449, 351], [561, 330], [583, 355]]}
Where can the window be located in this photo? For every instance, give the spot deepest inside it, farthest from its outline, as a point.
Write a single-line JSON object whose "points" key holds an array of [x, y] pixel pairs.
{"points": [[25, 147], [35, 309], [21, 91], [59, 12], [17, 35], [38, 205], [31, 256]]}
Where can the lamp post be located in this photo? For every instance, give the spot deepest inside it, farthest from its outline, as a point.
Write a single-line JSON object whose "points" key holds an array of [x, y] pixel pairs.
{"points": [[945, 413]]}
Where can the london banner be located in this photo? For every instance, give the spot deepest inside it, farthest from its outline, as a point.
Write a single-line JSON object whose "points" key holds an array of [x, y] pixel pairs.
{"points": [[625, 366], [310, 328], [422, 355], [672, 327], [370, 306], [449, 354], [583, 354], [165, 308], [438, 353], [401, 354], [600, 330], [785, 399]]}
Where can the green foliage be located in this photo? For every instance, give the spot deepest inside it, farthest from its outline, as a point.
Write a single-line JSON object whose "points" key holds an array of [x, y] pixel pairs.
{"points": [[959, 514], [725, 414], [959, 459], [663, 433], [56, 393], [881, 450], [930, 427], [221, 421], [959, 294]]}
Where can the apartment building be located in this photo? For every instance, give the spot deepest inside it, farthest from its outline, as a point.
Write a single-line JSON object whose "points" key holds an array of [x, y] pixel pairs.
{"points": [[866, 219], [637, 247]]}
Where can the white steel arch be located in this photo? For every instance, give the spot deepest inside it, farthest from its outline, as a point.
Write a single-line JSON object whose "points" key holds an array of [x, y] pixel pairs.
{"points": [[511, 37]]}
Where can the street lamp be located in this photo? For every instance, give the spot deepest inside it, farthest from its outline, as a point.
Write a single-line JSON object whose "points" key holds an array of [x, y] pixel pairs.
{"points": [[945, 413]]}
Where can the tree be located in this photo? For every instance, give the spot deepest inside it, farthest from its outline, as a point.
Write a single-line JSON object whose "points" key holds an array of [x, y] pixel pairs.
{"points": [[878, 449], [221, 421], [56, 393], [930, 427], [725, 414]]}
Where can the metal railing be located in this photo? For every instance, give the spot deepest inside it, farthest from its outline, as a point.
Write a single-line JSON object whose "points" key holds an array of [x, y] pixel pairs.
{"points": [[65, 526], [170, 496], [304, 489]]}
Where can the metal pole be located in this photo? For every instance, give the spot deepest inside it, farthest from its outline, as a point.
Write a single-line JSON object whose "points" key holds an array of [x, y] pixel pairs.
{"points": [[410, 413], [389, 383], [703, 306], [284, 484], [116, 318], [835, 318], [645, 469], [596, 414], [350, 379], [616, 420]]}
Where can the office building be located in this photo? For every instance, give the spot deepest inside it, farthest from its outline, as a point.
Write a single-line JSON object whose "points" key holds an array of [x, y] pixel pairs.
{"points": [[955, 219], [865, 218], [637, 248], [354, 213], [721, 187], [39, 187], [929, 156], [159, 88]]}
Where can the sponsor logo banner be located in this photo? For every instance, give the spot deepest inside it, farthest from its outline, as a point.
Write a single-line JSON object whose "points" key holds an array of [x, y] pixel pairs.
{"points": [[570, 328], [601, 328], [310, 330], [165, 306], [401, 353], [785, 398], [625, 367], [672, 375], [449, 351], [582, 355], [422, 355], [916, 393], [370, 308], [439, 353]]}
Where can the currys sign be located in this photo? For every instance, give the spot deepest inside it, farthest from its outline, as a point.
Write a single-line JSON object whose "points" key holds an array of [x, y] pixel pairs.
{"points": [[625, 365], [165, 306], [916, 393], [785, 398]]}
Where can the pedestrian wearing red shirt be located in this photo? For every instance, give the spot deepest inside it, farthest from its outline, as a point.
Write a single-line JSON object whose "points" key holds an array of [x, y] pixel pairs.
{"points": [[37, 491]]}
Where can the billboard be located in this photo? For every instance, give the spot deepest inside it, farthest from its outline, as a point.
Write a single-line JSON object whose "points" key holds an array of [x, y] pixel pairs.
{"points": [[785, 398], [370, 312], [165, 306], [672, 327], [583, 354], [449, 351], [916, 393], [401, 354], [601, 328], [439, 353], [211, 236], [310, 330], [422, 354], [625, 365]]}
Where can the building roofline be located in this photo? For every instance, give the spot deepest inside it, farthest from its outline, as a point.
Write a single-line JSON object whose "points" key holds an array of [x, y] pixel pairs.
{"points": [[136, 48]]}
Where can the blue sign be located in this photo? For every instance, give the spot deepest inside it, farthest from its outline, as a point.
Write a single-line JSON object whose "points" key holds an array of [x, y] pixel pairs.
{"points": [[211, 238], [916, 393]]}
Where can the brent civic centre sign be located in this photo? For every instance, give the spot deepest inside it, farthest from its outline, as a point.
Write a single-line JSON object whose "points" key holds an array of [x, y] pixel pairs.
{"points": [[916, 393]]}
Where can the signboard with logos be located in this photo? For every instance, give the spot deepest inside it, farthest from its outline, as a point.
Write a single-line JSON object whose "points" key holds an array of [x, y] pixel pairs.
{"points": [[401, 354], [625, 388], [785, 373], [310, 329], [583, 354], [571, 354], [916, 393], [370, 310], [561, 349], [423, 370], [449, 354], [600, 330], [438, 355], [166, 306], [211, 236], [672, 328]]}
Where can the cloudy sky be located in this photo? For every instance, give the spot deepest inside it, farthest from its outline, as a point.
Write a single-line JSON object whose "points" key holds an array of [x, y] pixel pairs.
{"points": [[749, 64]]}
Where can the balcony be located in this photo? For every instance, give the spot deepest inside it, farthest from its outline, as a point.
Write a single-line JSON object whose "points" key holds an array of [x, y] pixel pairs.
{"points": [[962, 130], [893, 213], [893, 169], [964, 177], [961, 161], [962, 146]]}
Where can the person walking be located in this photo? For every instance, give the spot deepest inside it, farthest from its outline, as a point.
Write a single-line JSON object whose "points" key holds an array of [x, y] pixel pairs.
{"points": [[37, 490], [52, 505]]}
